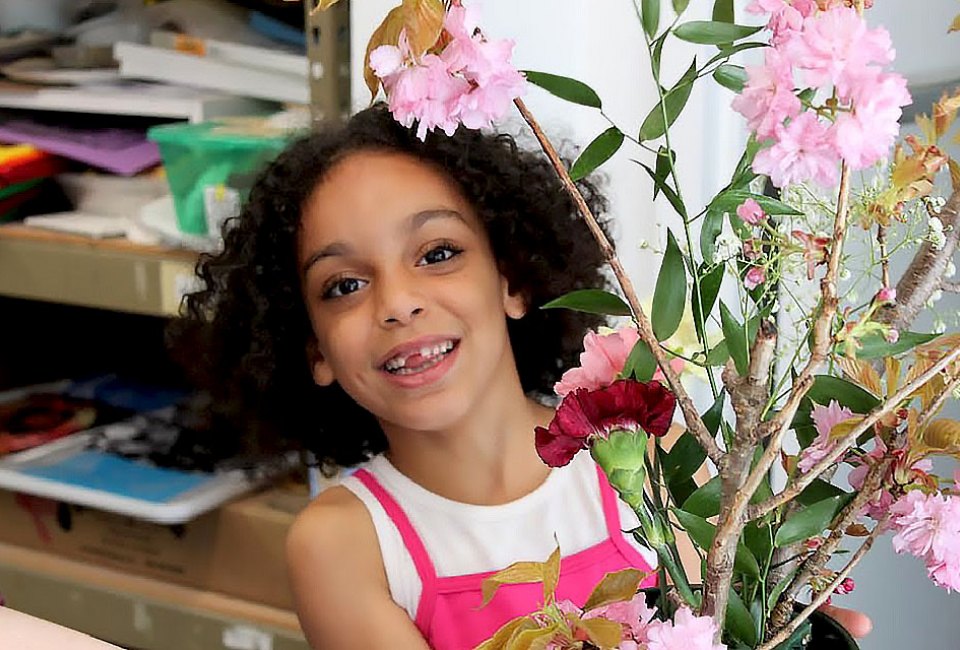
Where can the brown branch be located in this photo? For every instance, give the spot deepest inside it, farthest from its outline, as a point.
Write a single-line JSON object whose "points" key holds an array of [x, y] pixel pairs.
{"points": [[952, 287], [809, 567], [884, 261], [924, 275], [748, 396], [821, 598], [793, 490], [644, 327]]}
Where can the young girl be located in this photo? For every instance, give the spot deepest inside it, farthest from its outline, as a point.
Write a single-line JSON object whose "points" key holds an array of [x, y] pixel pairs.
{"points": [[378, 302]]}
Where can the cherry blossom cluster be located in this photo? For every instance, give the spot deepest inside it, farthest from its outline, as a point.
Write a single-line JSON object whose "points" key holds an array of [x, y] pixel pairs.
{"points": [[828, 48], [470, 80]]}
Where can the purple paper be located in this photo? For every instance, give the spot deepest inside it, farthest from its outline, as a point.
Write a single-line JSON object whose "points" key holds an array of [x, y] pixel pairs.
{"points": [[121, 151]]}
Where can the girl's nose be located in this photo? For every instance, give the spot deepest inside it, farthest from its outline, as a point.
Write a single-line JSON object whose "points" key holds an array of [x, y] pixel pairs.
{"points": [[399, 302]]}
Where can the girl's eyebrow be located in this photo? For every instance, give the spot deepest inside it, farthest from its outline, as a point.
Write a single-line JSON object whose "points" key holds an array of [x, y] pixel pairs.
{"points": [[414, 223]]}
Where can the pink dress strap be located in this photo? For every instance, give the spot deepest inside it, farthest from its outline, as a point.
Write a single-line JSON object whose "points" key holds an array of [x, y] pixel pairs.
{"points": [[611, 514], [412, 541]]}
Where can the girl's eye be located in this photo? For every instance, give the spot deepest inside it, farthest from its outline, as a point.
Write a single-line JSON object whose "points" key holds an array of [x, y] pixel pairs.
{"points": [[440, 253], [343, 287]]}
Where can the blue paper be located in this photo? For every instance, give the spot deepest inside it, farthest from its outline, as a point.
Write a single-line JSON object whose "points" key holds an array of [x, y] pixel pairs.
{"points": [[110, 473]]}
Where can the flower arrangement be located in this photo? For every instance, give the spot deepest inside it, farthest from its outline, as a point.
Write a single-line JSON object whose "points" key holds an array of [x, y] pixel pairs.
{"points": [[853, 388]]}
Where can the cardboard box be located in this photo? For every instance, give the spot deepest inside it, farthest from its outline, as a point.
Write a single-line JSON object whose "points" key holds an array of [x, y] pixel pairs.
{"points": [[137, 612], [236, 550]]}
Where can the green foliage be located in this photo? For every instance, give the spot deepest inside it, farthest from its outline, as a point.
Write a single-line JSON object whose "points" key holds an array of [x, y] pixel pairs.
{"points": [[641, 364], [669, 296], [673, 102], [565, 88], [591, 301], [804, 524], [827, 387], [707, 32], [597, 152], [732, 77], [735, 336], [650, 16]]}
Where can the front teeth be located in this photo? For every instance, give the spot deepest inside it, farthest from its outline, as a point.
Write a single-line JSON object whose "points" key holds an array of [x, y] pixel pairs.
{"points": [[427, 352]]}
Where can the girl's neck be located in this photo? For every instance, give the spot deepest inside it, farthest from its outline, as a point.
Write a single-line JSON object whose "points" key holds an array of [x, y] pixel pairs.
{"points": [[490, 458]]}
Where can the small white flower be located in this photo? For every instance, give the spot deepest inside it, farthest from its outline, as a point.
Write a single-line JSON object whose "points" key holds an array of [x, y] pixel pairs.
{"points": [[935, 233], [935, 224], [775, 307], [939, 327], [728, 245], [935, 296], [937, 202], [844, 274], [852, 296], [642, 244], [951, 269]]}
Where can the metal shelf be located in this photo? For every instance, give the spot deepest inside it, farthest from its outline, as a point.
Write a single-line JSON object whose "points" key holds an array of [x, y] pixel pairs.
{"points": [[107, 274]]}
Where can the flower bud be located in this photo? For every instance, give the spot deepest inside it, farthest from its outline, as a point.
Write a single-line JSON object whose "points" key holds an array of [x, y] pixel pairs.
{"points": [[621, 456]]}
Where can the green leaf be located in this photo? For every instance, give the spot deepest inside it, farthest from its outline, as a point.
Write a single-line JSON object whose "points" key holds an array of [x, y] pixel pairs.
{"points": [[673, 102], [875, 346], [758, 538], [657, 51], [665, 159], [669, 295], [711, 418], [703, 300], [681, 488], [661, 184], [597, 152], [735, 336], [705, 501], [641, 364], [826, 388], [707, 32], [709, 231], [591, 301], [702, 532], [780, 586], [730, 200], [651, 16], [565, 88], [729, 50], [820, 490], [808, 522], [739, 621], [718, 355], [723, 11], [744, 174], [679, 6], [731, 76], [684, 458]]}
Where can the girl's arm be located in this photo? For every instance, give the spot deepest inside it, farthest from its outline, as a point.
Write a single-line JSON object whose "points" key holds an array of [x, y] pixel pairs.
{"points": [[338, 580]]}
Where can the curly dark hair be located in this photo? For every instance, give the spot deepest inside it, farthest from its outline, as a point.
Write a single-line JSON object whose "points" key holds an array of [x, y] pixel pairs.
{"points": [[244, 337]]}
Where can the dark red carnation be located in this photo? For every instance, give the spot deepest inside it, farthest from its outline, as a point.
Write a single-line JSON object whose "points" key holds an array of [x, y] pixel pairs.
{"points": [[585, 414]]}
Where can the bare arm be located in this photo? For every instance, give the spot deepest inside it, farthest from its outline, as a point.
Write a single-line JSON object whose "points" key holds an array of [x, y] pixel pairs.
{"points": [[338, 580]]}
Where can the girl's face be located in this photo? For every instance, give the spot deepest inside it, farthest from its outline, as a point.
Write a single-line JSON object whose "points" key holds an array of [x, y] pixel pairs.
{"points": [[403, 292]]}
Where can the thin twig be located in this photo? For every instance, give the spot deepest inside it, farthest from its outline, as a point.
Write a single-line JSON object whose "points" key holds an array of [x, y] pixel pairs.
{"points": [[821, 598], [793, 490], [690, 415], [952, 287], [884, 260]]}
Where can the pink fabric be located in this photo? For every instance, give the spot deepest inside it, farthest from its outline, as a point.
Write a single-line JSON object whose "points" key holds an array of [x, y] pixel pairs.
{"points": [[449, 614]]}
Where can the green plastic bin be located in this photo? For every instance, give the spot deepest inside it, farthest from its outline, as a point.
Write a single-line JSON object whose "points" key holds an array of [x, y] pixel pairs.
{"points": [[211, 167]]}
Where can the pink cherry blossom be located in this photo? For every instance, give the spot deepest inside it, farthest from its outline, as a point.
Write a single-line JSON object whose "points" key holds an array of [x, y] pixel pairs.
{"points": [[754, 277], [866, 135], [677, 364], [814, 250], [428, 94], [886, 295], [836, 47], [785, 17], [686, 632], [846, 586], [824, 419], [751, 212], [768, 97], [602, 360], [928, 526], [803, 152], [880, 505], [631, 614]]}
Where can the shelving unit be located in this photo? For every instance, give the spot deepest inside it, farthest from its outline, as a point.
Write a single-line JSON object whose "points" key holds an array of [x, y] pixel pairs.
{"points": [[112, 274]]}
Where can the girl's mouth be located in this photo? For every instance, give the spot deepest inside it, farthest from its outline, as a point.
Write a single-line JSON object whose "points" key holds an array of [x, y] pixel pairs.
{"points": [[427, 357]]}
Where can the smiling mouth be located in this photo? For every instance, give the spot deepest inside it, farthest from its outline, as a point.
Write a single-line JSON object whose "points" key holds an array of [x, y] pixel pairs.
{"points": [[424, 359]]}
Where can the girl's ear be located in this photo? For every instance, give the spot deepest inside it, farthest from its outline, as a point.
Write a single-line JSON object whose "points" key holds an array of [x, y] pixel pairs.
{"points": [[514, 304], [319, 366]]}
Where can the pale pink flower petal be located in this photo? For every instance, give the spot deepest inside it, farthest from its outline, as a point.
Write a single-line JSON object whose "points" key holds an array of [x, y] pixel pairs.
{"points": [[602, 359], [803, 152], [866, 135], [686, 632], [836, 47], [754, 277], [632, 614], [768, 97], [928, 526], [824, 419], [386, 60], [751, 212]]}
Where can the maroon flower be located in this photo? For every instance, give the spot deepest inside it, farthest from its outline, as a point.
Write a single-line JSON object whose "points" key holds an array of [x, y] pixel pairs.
{"points": [[585, 414]]}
